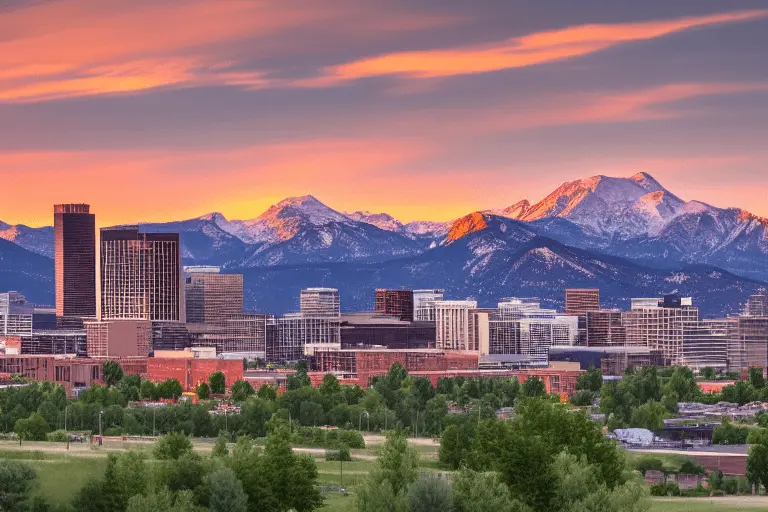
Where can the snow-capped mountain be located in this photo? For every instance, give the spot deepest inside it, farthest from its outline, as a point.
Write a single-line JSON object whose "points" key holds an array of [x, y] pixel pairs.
{"points": [[37, 240], [498, 257], [381, 220], [26, 272]]}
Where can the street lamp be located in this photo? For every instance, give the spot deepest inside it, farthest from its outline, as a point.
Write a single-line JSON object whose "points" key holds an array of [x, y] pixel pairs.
{"points": [[360, 421], [100, 434], [154, 416], [66, 410]]}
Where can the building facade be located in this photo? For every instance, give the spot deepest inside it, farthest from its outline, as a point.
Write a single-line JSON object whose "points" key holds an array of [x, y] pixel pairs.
{"points": [[118, 338], [141, 275], [16, 315], [747, 342], [424, 304], [605, 328], [74, 241], [397, 303], [580, 300], [318, 302], [452, 324], [211, 297]]}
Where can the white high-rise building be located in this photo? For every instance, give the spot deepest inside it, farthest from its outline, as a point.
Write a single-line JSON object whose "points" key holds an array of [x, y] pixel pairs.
{"points": [[15, 315], [424, 304], [320, 302], [453, 324]]}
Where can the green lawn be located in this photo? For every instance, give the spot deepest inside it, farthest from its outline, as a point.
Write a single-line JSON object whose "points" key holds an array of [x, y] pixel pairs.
{"points": [[736, 504]]}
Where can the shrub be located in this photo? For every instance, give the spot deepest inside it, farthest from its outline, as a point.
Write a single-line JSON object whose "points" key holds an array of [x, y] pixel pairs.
{"points": [[669, 489], [113, 432], [342, 454], [717, 493], [58, 436], [730, 486]]}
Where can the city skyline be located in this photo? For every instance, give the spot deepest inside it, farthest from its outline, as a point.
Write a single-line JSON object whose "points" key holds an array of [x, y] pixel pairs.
{"points": [[425, 110]]}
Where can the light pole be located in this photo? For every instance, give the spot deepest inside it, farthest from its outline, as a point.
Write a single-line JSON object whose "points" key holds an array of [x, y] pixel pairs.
{"points": [[154, 416], [66, 410], [100, 435], [360, 421]]}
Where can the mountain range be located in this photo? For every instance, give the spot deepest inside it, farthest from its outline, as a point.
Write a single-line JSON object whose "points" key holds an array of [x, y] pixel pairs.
{"points": [[627, 236]]}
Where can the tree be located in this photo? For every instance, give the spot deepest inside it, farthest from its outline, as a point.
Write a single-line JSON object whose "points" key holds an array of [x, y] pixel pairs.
{"points": [[691, 467], [728, 433], [163, 501], [756, 377], [583, 398], [113, 373], [218, 383], [708, 372], [241, 390], [330, 385], [757, 465], [377, 496], [385, 488], [430, 493], [220, 448], [227, 493], [483, 492], [533, 387], [33, 428], [15, 484], [716, 479], [683, 384], [203, 391], [648, 463], [172, 446], [649, 415], [267, 392], [170, 388], [591, 380]]}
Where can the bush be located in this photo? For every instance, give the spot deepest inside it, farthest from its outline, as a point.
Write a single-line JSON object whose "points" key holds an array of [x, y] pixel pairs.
{"points": [[58, 436], [670, 489], [342, 454], [743, 486], [172, 446], [648, 463], [113, 432], [324, 438], [730, 486], [717, 493]]}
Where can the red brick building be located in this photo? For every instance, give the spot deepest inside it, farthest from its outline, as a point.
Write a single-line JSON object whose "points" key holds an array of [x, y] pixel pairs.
{"points": [[191, 372], [70, 372]]}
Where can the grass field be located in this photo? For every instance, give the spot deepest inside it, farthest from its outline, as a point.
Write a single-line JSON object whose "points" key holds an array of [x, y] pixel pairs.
{"points": [[730, 504]]}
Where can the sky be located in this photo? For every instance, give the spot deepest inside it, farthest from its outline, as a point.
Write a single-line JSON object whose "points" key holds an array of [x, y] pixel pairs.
{"points": [[158, 110]]}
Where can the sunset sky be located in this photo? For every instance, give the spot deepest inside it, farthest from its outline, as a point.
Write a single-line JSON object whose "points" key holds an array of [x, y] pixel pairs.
{"points": [[155, 110]]}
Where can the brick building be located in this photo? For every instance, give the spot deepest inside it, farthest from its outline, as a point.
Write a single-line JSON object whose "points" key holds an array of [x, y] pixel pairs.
{"points": [[191, 372]]}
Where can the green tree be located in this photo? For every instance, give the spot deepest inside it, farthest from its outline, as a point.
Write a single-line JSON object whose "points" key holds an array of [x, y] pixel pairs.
{"points": [[220, 449], [241, 390], [163, 501], [330, 385], [583, 398], [203, 391], [483, 492], [533, 387], [740, 393], [386, 487], [648, 463], [756, 377], [148, 390], [170, 388], [267, 392], [15, 485], [300, 379], [708, 373], [172, 446], [33, 428], [430, 493], [728, 433], [649, 415], [226, 492], [218, 383], [591, 380], [683, 384], [716, 480], [378, 496], [757, 465], [113, 373]]}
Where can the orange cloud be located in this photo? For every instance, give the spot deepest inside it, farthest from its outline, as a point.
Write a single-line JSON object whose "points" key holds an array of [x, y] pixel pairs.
{"points": [[529, 50]]}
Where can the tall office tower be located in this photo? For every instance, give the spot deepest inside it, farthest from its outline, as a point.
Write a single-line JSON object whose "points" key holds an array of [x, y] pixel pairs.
{"points": [[705, 344], [320, 302], [141, 275], [605, 329], [74, 241], [580, 300], [397, 303], [658, 325], [747, 342], [757, 305], [212, 297], [299, 335], [452, 324], [16, 315], [424, 304]]}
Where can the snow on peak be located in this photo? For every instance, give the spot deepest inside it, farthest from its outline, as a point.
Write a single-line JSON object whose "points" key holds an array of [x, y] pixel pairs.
{"points": [[215, 217], [647, 181], [381, 220]]}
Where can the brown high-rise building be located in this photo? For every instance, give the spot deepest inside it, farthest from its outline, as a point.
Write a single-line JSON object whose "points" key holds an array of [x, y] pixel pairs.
{"points": [[74, 232], [397, 303], [212, 297], [141, 275], [580, 300]]}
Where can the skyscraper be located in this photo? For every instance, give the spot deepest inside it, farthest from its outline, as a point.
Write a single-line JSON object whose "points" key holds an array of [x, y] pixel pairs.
{"points": [[320, 302], [757, 305], [16, 315], [212, 297], [424, 304], [452, 324], [580, 300], [140, 275], [397, 303], [74, 232]]}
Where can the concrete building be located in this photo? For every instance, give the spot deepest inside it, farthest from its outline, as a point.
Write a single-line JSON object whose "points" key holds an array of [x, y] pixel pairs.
{"points": [[452, 324], [757, 305], [141, 275], [747, 343], [118, 338], [605, 328], [212, 297], [74, 241], [55, 342], [16, 315], [424, 304], [397, 303], [705, 345], [369, 330], [580, 300], [319, 302]]}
